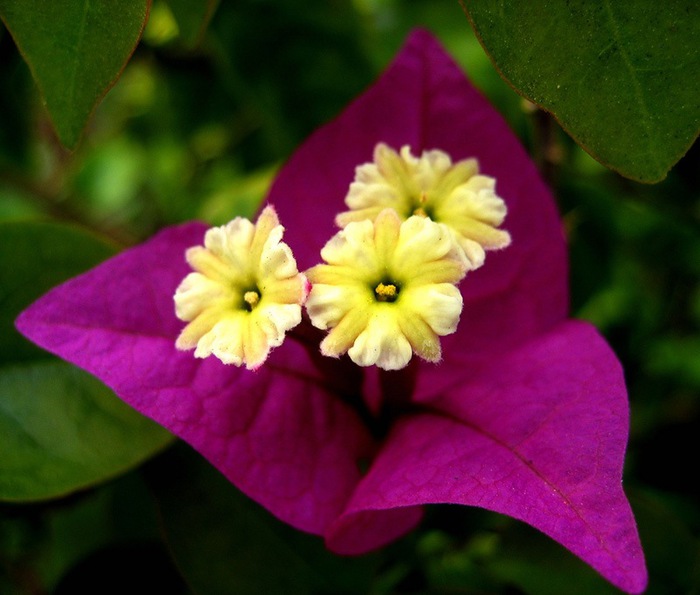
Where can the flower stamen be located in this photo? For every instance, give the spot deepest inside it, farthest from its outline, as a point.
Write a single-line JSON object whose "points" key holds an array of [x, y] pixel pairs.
{"points": [[386, 293], [251, 298]]}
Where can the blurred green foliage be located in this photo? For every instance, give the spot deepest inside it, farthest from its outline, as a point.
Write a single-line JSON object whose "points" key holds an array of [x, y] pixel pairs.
{"points": [[196, 128]]}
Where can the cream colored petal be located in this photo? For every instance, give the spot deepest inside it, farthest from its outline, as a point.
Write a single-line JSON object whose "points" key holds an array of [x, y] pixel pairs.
{"points": [[387, 231], [370, 189], [454, 177], [381, 343], [397, 171], [429, 168], [421, 336], [276, 260], [280, 317], [339, 275], [489, 237], [440, 305], [368, 173], [231, 242], [225, 340], [267, 231], [344, 334], [284, 291], [199, 327], [476, 199], [352, 246], [437, 271], [342, 219], [474, 254], [256, 345], [422, 241], [328, 304], [213, 266], [196, 293]]}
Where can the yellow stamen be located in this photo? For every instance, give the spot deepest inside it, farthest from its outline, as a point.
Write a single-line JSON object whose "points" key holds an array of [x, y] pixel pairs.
{"points": [[386, 293], [420, 212], [251, 298]]}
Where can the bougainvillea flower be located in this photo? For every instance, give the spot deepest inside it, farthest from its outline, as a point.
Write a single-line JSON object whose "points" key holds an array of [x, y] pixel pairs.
{"points": [[387, 290], [526, 414], [245, 293], [454, 195]]}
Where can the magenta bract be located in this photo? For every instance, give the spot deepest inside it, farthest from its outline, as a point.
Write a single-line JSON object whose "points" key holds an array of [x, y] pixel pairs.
{"points": [[526, 415]]}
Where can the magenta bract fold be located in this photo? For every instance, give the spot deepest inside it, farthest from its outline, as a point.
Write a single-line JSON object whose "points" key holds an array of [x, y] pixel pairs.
{"points": [[527, 414]]}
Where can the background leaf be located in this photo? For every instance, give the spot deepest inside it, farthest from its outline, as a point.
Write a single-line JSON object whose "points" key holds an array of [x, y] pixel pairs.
{"points": [[62, 430], [621, 77], [34, 257], [76, 50]]}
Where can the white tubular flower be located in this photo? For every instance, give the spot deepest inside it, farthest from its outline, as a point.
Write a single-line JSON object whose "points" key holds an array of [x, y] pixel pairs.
{"points": [[387, 290], [452, 194], [245, 293]]}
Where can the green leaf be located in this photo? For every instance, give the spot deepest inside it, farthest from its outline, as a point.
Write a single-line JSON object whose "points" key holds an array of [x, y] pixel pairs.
{"points": [[15, 118], [192, 17], [225, 543], [621, 77], [63, 430], [34, 257], [76, 50]]}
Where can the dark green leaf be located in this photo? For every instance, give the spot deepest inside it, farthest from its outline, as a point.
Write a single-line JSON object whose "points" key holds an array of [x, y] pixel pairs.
{"points": [[15, 91], [34, 257], [621, 77], [62, 430], [225, 543], [76, 50]]}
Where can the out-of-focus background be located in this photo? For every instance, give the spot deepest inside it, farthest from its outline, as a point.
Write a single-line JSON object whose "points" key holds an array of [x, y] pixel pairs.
{"points": [[196, 129]]}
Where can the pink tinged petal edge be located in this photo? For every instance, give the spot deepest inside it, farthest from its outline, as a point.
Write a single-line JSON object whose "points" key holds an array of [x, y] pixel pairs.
{"points": [[278, 434], [423, 99], [540, 436]]}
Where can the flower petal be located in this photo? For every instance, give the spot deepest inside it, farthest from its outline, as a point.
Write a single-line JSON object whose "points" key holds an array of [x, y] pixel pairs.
{"points": [[382, 342], [543, 443]]}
